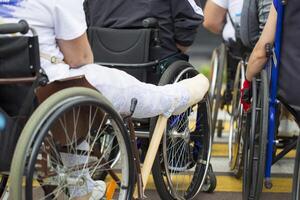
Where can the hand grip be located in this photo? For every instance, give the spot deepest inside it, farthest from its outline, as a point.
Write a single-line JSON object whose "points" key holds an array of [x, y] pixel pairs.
{"points": [[21, 27], [150, 22]]}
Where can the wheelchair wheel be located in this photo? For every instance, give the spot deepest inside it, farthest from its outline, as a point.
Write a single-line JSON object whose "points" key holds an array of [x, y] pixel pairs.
{"points": [[181, 165], [237, 125], [60, 149], [255, 145], [296, 175], [217, 72]]}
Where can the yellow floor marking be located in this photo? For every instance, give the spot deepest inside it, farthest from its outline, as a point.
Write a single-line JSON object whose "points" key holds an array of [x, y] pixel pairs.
{"points": [[226, 127], [229, 184], [221, 150], [291, 154]]}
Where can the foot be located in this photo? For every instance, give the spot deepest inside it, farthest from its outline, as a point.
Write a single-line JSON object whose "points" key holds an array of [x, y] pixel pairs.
{"points": [[197, 87], [98, 191]]}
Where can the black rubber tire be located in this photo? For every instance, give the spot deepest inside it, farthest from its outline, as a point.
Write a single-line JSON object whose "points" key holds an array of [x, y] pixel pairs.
{"points": [[296, 175], [256, 158], [216, 98], [210, 183], [237, 119], [163, 188], [238, 168], [36, 129], [3, 185], [246, 184]]}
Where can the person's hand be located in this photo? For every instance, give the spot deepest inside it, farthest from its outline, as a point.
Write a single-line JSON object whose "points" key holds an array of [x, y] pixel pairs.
{"points": [[246, 95]]}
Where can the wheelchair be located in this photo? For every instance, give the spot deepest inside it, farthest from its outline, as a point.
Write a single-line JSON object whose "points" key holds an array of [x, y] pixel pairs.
{"points": [[224, 62], [69, 119], [228, 66], [139, 48], [34, 142], [261, 124]]}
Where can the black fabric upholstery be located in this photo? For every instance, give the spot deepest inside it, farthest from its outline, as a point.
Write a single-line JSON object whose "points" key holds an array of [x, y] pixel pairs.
{"points": [[120, 45], [253, 19], [289, 75], [129, 46], [15, 57], [9, 138], [12, 98]]}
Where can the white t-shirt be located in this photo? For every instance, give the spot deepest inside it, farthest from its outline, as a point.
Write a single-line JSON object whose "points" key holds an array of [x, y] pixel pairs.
{"points": [[52, 19], [234, 7]]}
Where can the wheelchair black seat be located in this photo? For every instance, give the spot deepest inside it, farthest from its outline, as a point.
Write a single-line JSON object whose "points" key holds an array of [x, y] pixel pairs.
{"points": [[120, 45]]}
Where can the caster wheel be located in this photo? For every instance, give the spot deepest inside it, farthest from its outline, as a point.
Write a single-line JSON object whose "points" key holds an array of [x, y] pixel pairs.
{"points": [[268, 184], [210, 182]]}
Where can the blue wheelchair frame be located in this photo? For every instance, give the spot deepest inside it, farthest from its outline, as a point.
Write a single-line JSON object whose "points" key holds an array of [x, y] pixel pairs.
{"points": [[273, 101]]}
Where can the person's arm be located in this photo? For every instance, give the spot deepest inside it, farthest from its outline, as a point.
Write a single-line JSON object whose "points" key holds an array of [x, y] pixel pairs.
{"points": [[258, 56], [214, 17], [187, 16], [77, 52]]}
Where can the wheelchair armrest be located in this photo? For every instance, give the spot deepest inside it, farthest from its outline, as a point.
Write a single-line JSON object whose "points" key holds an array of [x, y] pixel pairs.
{"points": [[44, 92], [130, 65]]}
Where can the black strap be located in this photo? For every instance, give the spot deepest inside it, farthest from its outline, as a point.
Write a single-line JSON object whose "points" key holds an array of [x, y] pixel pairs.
{"points": [[233, 24]]}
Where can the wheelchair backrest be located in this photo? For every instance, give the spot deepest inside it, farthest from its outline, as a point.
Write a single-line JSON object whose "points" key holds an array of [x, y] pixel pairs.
{"points": [[18, 58], [253, 19], [120, 45], [19, 65]]}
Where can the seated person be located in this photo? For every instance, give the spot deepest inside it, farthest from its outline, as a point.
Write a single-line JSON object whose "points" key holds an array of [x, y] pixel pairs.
{"points": [[289, 60], [65, 52], [178, 20], [254, 17], [223, 16]]}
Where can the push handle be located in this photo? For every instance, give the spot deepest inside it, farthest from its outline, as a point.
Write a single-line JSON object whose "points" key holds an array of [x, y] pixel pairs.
{"points": [[150, 22], [21, 27]]}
